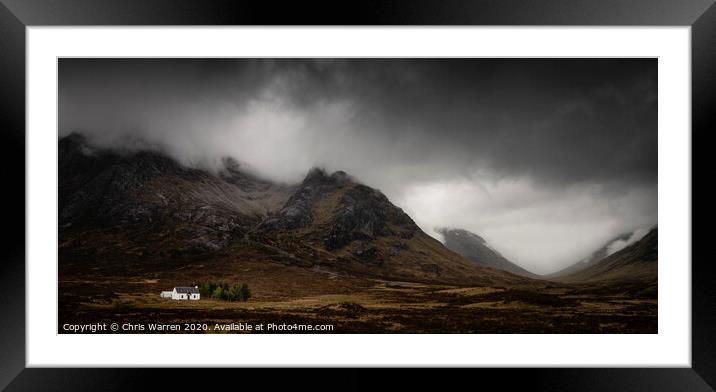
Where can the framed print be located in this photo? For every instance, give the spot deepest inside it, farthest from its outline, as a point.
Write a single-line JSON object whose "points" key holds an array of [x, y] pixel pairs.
{"points": [[470, 185]]}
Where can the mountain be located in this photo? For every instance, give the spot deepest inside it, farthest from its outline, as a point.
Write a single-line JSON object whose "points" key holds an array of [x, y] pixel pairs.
{"points": [[475, 248], [342, 224], [145, 210], [590, 260], [635, 262], [188, 209]]}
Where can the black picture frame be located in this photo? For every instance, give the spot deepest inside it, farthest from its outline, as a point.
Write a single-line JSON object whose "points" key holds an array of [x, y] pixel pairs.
{"points": [[16, 15]]}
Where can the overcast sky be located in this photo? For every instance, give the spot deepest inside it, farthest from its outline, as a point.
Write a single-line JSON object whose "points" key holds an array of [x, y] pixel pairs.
{"points": [[545, 158]]}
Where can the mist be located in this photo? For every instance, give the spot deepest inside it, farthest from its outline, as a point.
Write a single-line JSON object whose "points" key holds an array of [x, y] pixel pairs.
{"points": [[547, 159], [620, 244]]}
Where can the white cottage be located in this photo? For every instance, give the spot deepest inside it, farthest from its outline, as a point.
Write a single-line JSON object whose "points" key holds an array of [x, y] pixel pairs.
{"points": [[182, 293]]}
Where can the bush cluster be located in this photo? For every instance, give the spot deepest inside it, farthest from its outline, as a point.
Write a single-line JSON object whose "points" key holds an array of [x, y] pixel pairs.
{"points": [[224, 291]]}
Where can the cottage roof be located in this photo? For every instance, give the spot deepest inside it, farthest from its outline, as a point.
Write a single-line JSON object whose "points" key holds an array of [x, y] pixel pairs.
{"points": [[185, 290]]}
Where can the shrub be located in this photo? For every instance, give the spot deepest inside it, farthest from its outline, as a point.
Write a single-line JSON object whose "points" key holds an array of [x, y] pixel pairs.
{"points": [[206, 289], [224, 291], [244, 292]]}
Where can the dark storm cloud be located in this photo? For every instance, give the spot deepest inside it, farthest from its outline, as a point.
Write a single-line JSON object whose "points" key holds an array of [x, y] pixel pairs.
{"points": [[556, 120], [558, 127], [553, 119]]}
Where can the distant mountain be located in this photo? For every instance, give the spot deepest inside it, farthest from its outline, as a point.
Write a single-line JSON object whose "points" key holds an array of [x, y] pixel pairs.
{"points": [[475, 248], [590, 260], [635, 262], [145, 208], [613, 245]]}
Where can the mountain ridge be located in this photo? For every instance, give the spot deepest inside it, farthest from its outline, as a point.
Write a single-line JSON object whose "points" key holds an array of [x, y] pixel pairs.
{"points": [[635, 262], [476, 248], [589, 260]]}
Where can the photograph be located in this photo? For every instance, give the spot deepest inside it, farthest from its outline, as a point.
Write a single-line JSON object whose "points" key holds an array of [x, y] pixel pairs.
{"points": [[248, 190], [357, 195]]}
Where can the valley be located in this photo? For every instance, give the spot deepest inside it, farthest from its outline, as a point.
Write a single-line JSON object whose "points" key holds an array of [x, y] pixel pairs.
{"points": [[328, 250], [365, 306]]}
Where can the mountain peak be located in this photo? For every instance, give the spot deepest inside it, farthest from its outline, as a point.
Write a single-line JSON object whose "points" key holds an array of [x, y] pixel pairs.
{"points": [[340, 176], [475, 248], [340, 211], [319, 176], [74, 143], [231, 164], [73, 138]]}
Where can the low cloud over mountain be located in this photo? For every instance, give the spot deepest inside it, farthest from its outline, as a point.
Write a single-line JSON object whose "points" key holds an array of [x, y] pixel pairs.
{"points": [[548, 158]]}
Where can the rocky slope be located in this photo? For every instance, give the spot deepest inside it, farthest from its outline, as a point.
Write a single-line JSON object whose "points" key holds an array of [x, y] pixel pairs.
{"points": [[475, 248], [102, 190]]}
